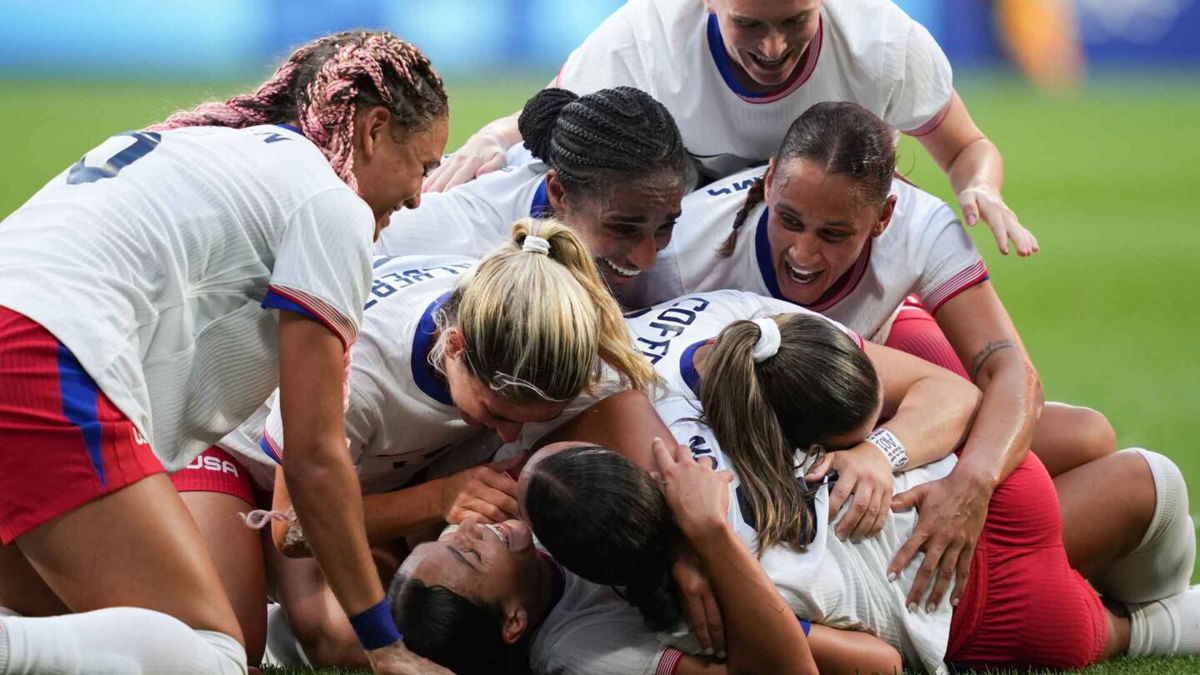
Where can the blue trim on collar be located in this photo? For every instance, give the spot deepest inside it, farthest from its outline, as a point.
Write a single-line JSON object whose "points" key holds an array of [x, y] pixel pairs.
{"points": [[687, 367], [540, 208], [423, 373], [716, 46], [762, 251], [289, 128]]}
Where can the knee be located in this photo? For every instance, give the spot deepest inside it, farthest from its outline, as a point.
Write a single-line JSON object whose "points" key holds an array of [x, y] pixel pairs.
{"points": [[1095, 434]]}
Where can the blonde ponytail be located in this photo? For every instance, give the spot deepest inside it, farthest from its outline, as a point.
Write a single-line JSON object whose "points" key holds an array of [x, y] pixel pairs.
{"points": [[534, 321]]}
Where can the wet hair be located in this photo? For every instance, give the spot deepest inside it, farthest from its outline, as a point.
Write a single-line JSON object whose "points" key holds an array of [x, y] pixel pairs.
{"points": [[598, 141], [819, 384], [322, 84], [844, 139], [604, 519], [450, 629], [537, 326]]}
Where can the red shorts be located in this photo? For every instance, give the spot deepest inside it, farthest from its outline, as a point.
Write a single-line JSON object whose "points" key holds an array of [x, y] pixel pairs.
{"points": [[62, 442], [1024, 607], [215, 470], [915, 331]]}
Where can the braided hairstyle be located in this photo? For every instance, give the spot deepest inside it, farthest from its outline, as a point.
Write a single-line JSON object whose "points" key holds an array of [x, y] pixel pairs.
{"points": [[323, 83], [597, 141], [844, 138]]}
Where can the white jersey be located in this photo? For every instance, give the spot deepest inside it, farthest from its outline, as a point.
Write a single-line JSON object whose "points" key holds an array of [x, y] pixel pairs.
{"points": [[924, 251], [400, 417], [151, 260], [866, 51], [472, 219]]}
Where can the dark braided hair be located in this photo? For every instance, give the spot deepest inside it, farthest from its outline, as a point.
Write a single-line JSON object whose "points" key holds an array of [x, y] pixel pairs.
{"points": [[596, 141], [323, 83], [844, 138]]}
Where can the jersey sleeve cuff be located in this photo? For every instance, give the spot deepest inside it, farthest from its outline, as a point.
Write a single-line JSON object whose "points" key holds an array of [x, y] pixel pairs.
{"points": [[933, 123], [956, 284], [669, 661], [314, 308]]}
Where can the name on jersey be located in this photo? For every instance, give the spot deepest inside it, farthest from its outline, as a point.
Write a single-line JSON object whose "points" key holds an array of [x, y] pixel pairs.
{"points": [[655, 342], [385, 285]]}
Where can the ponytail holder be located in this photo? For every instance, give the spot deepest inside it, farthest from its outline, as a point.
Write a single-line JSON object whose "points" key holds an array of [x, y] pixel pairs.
{"points": [[768, 340], [536, 244]]}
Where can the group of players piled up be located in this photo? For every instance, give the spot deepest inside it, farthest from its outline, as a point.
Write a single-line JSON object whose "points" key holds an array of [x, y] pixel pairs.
{"points": [[669, 372]]}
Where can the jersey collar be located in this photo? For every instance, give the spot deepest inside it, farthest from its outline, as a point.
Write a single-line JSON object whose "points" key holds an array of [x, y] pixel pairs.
{"points": [[540, 208], [423, 374], [289, 127], [687, 367], [840, 288], [808, 63]]}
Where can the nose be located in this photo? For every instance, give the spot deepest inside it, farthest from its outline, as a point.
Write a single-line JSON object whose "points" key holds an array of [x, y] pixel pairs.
{"points": [[509, 431], [774, 45], [643, 254], [805, 250]]}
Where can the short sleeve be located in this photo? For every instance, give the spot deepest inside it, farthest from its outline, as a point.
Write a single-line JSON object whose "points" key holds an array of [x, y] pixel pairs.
{"points": [[606, 644], [952, 264], [921, 98], [323, 264], [609, 57]]}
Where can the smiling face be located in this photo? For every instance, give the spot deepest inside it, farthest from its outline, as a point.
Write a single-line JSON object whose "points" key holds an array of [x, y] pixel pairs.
{"points": [[626, 230], [390, 164], [766, 39], [818, 226], [491, 565], [480, 406]]}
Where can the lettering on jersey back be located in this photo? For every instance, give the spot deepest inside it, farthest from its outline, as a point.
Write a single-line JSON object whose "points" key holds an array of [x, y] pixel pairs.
{"points": [[386, 285], [668, 325], [736, 186]]}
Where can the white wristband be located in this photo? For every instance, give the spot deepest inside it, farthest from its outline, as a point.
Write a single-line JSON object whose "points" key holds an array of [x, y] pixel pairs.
{"points": [[890, 446]]}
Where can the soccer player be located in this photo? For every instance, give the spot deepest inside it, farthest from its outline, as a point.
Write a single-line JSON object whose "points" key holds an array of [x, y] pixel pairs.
{"points": [[610, 164], [735, 73], [448, 348], [136, 329], [768, 387]]}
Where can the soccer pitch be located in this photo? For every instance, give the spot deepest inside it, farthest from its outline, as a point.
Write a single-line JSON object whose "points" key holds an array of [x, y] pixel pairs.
{"points": [[1107, 179]]}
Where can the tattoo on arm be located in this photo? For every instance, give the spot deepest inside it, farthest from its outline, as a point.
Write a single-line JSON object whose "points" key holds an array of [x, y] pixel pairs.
{"points": [[981, 357]]}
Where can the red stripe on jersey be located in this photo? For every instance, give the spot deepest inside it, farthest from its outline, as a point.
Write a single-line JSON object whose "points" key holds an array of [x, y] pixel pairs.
{"points": [[669, 661], [333, 319], [934, 122], [955, 285]]}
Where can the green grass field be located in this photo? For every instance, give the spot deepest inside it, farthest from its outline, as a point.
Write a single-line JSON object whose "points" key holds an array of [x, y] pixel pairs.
{"points": [[1107, 179]]}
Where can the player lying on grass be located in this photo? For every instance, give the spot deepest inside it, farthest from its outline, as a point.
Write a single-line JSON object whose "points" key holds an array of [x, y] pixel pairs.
{"points": [[735, 73], [450, 351], [829, 228], [610, 164], [778, 392], [135, 331]]}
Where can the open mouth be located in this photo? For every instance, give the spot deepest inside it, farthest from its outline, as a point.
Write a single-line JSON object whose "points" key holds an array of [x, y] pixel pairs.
{"points": [[618, 270], [501, 533], [800, 276], [766, 64]]}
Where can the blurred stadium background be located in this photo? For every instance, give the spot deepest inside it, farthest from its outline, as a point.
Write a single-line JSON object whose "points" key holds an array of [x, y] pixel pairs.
{"points": [[1105, 173]]}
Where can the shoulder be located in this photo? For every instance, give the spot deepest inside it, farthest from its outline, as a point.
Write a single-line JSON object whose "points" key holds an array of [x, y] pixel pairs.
{"points": [[919, 212], [869, 30]]}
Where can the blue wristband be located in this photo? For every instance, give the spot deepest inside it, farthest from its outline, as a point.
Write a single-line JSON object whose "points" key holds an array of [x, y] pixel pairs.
{"points": [[375, 627]]}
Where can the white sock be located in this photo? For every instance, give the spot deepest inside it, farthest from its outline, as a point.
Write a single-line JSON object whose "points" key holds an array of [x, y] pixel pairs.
{"points": [[1162, 563], [283, 647], [115, 641], [1169, 627]]}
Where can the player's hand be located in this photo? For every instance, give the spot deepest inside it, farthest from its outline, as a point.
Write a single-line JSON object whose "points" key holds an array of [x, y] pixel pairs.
{"points": [[865, 479], [697, 495], [395, 659], [485, 492], [951, 514], [985, 203], [699, 602], [481, 154]]}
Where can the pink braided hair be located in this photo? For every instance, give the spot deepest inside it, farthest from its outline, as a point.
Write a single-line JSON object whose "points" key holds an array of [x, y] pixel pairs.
{"points": [[324, 107]]}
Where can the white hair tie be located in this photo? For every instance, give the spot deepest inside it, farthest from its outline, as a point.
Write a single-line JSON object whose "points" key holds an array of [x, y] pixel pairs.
{"points": [[536, 244], [768, 340]]}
